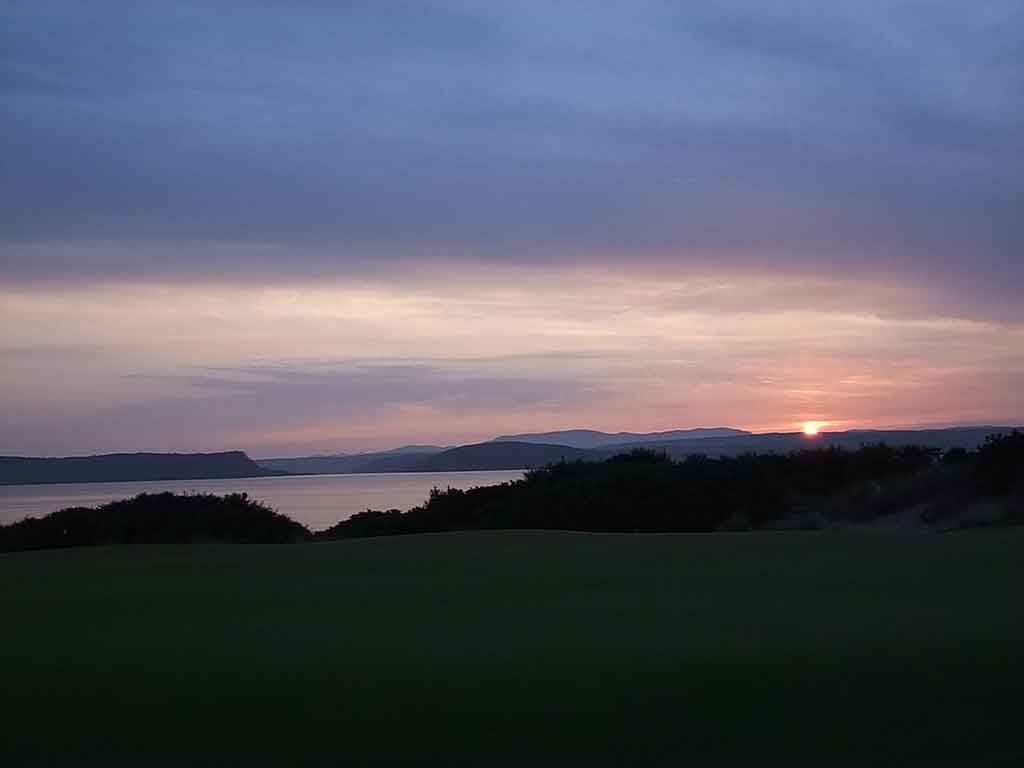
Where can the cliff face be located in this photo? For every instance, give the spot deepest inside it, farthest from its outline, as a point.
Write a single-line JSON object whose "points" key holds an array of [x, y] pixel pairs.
{"points": [[115, 467]]}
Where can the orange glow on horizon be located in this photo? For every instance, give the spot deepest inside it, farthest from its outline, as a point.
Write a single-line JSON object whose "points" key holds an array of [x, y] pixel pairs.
{"points": [[812, 428]]}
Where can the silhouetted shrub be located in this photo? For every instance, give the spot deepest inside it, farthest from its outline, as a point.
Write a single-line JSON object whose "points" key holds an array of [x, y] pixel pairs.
{"points": [[646, 491], [161, 518], [956, 456], [1000, 467]]}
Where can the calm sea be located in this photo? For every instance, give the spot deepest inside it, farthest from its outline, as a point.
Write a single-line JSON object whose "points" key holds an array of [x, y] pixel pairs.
{"points": [[318, 501]]}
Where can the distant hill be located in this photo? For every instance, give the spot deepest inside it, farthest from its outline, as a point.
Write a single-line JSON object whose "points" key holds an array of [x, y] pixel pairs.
{"points": [[394, 460], [590, 438], [967, 438], [114, 467], [503, 455], [414, 449]]}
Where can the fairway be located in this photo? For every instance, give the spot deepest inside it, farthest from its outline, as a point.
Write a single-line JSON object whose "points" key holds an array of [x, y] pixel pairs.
{"points": [[506, 647]]}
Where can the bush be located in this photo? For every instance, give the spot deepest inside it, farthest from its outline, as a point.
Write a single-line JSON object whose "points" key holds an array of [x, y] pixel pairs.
{"points": [[647, 491], [1000, 467], [161, 518]]}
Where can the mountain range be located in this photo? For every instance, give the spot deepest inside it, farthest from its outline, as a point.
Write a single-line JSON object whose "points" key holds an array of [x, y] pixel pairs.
{"points": [[591, 438], [532, 450], [526, 451]]}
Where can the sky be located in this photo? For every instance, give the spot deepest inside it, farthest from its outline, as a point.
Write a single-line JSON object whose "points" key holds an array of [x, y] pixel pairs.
{"points": [[319, 227]]}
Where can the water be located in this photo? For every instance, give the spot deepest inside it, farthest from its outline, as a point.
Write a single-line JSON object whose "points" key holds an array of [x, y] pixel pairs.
{"points": [[317, 501]]}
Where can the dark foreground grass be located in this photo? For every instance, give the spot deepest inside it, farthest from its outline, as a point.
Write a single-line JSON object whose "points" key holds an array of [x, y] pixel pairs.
{"points": [[502, 648]]}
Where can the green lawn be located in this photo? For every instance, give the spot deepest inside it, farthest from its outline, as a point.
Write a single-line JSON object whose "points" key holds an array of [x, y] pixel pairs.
{"points": [[513, 648]]}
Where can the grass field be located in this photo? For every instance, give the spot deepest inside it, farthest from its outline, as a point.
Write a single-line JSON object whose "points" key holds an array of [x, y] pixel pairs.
{"points": [[502, 648]]}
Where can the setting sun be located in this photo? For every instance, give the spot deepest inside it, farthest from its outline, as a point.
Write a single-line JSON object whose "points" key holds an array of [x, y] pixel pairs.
{"points": [[812, 428]]}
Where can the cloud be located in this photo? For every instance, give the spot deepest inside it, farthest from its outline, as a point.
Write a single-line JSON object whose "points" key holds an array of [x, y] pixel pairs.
{"points": [[667, 214], [284, 408], [461, 357], [864, 134]]}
